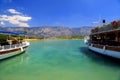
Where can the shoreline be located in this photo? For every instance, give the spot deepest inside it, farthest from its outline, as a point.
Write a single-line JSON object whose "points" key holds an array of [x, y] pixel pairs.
{"points": [[31, 39], [57, 38], [49, 39]]}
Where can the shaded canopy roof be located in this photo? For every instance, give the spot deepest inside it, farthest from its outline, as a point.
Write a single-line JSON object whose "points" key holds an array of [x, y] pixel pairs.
{"points": [[12, 33]]}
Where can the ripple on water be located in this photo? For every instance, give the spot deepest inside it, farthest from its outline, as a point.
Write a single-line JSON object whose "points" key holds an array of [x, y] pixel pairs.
{"points": [[59, 60]]}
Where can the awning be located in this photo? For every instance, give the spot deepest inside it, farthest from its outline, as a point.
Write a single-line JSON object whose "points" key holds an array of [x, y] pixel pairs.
{"points": [[11, 33]]}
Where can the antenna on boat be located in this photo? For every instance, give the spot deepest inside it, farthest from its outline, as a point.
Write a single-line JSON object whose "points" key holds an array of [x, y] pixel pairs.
{"points": [[100, 22], [103, 22], [95, 23]]}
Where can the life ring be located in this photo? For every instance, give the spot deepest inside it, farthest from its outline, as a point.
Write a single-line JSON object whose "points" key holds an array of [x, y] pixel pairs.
{"points": [[115, 24]]}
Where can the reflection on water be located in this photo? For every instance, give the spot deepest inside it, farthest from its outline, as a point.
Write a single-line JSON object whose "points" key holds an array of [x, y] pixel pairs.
{"points": [[100, 59], [59, 60], [18, 59]]}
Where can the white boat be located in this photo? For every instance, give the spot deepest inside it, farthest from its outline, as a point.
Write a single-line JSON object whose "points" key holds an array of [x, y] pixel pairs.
{"points": [[87, 40], [106, 41], [10, 50]]}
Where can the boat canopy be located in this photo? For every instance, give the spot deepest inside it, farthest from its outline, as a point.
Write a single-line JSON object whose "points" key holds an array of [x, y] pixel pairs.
{"points": [[11, 33]]}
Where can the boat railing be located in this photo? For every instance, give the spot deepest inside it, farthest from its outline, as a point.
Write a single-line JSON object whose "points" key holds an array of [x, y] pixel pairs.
{"points": [[117, 46], [5, 47]]}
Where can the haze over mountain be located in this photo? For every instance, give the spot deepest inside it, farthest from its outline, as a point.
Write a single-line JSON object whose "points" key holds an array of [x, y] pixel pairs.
{"points": [[47, 32]]}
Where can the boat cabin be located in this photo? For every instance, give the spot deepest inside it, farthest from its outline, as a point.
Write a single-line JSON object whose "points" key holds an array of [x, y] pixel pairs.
{"points": [[109, 36]]}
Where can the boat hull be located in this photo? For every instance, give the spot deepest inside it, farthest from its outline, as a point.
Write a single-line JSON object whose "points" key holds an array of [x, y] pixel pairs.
{"points": [[111, 53], [6, 53], [10, 53]]}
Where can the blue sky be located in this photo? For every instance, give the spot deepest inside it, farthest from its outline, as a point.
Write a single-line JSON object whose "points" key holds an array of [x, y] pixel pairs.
{"points": [[69, 13]]}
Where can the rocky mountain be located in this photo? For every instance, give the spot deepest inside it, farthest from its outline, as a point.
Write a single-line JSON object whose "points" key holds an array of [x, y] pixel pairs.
{"points": [[46, 32]]}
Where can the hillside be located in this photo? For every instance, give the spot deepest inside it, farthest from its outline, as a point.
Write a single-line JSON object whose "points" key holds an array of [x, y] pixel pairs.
{"points": [[47, 32]]}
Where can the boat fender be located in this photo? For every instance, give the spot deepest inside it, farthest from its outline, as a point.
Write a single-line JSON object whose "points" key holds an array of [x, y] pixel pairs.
{"points": [[0, 46], [21, 49], [91, 45], [104, 48]]}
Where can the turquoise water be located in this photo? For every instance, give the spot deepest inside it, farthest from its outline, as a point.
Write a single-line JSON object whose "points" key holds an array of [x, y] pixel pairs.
{"points": [[59, 60]]}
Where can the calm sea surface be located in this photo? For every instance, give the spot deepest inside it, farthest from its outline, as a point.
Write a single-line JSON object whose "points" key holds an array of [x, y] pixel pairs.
{"points": [[59, 60]]}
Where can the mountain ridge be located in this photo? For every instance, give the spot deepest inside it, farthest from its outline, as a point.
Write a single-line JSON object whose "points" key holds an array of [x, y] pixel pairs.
{"points": [[47, 32]]}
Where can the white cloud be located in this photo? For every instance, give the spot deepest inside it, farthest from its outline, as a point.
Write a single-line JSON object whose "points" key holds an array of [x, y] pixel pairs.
{"points": [[21, 17], [13, 11], [23, 25], [3, 17], [16, 19], [2, 23]]}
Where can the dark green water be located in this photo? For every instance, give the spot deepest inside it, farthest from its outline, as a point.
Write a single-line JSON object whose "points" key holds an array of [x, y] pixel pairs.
{"points": [[59, 60]]}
